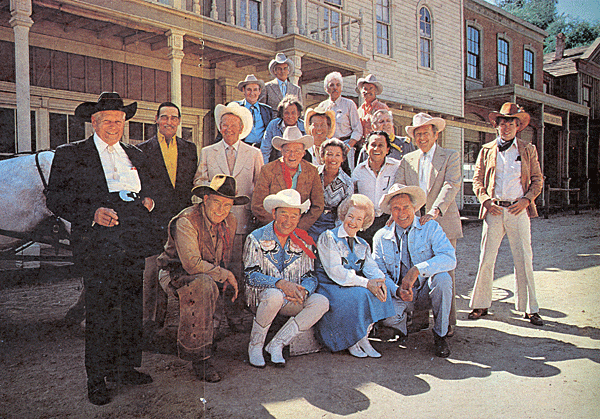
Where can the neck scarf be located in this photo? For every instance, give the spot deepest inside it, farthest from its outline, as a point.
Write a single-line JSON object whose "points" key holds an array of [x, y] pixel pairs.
{"points": [[504, 145], [296, 237], [287, 175]]}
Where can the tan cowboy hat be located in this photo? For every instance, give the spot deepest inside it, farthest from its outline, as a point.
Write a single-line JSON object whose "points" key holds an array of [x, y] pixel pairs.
{"points": [[371, 79], [418, 196], [321, 111], [221, 185], [511, 110], [238, 110], [250, 79], [287, 198], [293, 135], [421, 119], [107, 101], [280, 58]]}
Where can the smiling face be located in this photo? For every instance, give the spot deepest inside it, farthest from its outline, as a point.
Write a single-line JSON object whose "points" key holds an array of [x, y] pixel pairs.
{"points": [[282, 71], [354, 220], [368, 92], [290, 115], [334, 157], [403, 211], [425, 138], [286, 219], [251, 93], [292, 155], [168, 121], [231, 127], [319, 128], [377, 149], [217, 207], [334, 89], [507, 128], [109, 125]]}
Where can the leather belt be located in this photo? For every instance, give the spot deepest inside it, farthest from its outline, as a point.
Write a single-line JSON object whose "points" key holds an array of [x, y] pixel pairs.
{"points": [[505, 204]]}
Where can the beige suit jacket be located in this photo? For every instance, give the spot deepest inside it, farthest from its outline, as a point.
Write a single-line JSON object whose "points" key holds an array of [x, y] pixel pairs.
{"points": [[271, 94], [484, 178], [444, 184], [248, 163]]}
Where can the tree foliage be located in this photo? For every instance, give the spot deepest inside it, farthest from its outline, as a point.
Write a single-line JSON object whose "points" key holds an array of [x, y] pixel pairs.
{"points": [[540, 13]]}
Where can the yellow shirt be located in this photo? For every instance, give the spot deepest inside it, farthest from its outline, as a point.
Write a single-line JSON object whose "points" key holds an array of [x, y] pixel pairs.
{"points": [[169, 152]]}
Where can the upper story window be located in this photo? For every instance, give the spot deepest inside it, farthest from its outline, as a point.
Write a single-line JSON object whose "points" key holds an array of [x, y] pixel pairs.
{"points": [[425, 38], [503, 75], [252, 12], [332, 19], [473, 53], [528, 69], [383, 26], [585, 96]]}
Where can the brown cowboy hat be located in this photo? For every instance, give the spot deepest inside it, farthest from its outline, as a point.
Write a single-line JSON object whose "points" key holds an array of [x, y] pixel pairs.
{"points": [[221, 185], [107, 101], [511, 110], [329, 114]]}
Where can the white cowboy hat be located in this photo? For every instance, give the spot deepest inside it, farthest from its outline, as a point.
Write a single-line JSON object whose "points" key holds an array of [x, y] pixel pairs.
{"points": [[250, 79], [421, 119], [280, 58], [371, 79], [418, 196], [238, 110], [287, 198], [293, 135], [511, 110], [321, 111]]}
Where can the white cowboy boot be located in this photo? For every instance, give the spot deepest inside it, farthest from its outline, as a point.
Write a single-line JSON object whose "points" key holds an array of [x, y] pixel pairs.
{"points": [[356, 351], [255, 347], [365, 345], [283, 337]]}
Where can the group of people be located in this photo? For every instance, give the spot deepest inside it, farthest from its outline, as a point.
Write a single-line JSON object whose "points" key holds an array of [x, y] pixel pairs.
{"points": [[295, 218]]}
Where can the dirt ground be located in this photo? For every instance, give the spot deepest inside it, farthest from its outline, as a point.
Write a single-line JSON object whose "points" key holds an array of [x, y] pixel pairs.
{"points": [[500, 367]]}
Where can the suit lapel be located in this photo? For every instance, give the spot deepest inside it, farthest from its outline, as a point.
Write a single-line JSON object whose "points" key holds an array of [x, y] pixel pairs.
{"points": [[437, 162], [242, 157], [95, 165], [221, 158], [413, 162]]}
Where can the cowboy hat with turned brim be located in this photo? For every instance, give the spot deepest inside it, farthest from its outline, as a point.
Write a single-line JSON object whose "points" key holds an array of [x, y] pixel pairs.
{"points": [[287, 198], [329, 114], [293, 135], [221, 185], [418, 196], [107, 101], [371, 79], [238, 110], [280, 58], [250, 79], [422, 119], [511, 110]]}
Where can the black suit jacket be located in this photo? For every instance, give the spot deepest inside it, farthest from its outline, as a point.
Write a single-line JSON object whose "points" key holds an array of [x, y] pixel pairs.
{"points": [[77, 188], [170, 200]]}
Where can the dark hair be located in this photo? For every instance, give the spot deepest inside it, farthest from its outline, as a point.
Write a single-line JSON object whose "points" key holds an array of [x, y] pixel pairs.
{"points": [[383, 134], [333, 142], [168, 105], [286, 101]]}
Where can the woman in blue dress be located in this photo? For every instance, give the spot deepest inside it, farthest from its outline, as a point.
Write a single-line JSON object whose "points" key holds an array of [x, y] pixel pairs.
{"points": [[349, 277]]}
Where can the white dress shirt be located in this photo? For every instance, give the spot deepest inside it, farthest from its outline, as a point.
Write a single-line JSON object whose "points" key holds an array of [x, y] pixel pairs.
{"points": [[347, 121], [120, 173], [375, 186], [425, 168], [508, 174]]}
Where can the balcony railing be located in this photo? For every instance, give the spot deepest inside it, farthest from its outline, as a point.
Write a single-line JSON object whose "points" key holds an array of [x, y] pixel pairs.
{"points": [[311, 18]]}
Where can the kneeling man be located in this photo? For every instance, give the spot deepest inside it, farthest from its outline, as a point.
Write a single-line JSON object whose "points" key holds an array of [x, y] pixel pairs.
{"points": [[278, 261], [417, 258], [195, 259]]}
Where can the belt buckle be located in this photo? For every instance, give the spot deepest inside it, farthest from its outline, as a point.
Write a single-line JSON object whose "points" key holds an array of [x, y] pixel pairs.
{"points": [[127, 196]]}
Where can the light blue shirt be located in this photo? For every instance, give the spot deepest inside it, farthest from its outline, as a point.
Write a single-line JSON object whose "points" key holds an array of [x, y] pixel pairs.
{"points": [[258, 128]]}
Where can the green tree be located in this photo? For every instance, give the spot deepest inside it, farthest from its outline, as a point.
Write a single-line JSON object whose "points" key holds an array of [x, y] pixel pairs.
{"points": [[540, 13]]}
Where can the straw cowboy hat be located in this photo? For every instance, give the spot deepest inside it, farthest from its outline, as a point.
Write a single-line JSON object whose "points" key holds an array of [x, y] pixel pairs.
{"points": [[418, 196], [250, 79], [107, 101], [293, 135], [287, 198], [238, 110], [329, 114], [371, 79], [422, 119], [280, 58], [221, 185], [511, 110]]}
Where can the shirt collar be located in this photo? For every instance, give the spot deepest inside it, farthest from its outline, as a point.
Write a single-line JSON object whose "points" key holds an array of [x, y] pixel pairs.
{"points": [[163, 139], [281, 82], [101, 146], [431, 151], [342, 232], [235, 146]]}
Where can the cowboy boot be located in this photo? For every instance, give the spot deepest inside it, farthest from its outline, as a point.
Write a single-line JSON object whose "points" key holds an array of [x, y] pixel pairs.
{"points": [[365, 345], [255, 347], [283, 337]]}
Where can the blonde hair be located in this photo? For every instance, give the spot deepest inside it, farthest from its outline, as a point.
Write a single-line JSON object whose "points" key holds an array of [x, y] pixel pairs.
{"points": [[358, 201]]}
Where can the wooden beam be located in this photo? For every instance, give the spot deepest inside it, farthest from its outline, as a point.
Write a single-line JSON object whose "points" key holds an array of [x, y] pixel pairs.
{"points": [[109, 30], [75, 24], [138, 37]]}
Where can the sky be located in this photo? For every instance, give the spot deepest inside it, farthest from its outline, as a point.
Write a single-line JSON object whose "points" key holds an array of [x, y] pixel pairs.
{"points": [[584, 9]]}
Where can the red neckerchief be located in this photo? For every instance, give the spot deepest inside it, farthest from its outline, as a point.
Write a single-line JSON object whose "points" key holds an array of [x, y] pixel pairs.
{"points": [[223, 232], [287, 176], [296, 237]]}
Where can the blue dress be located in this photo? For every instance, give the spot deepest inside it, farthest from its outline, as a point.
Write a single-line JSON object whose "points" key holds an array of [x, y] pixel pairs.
{"points": [[343, 275]]}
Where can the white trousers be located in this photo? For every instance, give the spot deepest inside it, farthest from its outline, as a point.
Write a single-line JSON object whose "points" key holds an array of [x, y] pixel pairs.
{"points": [[272, 301], [518, 230]]}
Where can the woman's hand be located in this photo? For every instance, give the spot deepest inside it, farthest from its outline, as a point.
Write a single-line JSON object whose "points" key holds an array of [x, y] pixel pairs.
{"points": [[378, 288]]}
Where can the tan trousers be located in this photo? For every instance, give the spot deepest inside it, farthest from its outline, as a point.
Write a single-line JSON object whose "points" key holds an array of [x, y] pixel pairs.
{"points": [[452, 320], [272, 302], [518, 230]]}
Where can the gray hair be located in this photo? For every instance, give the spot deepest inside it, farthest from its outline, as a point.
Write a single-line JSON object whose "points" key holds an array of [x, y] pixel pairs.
{"points": [[335, 75]]}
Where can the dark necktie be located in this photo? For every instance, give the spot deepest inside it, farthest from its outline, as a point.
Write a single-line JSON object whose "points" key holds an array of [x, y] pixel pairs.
{"points": [[254, 113], [406, 263], [504, 145], [350, 243]]}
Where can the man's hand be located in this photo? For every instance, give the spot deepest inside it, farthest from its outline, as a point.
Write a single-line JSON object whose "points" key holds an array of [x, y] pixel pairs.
{"points": [[519, 206], [148, 203], [378, 288], [405, 291], [492, 208], [427, 217], [230, 279], [294, 293], [106, 217]]}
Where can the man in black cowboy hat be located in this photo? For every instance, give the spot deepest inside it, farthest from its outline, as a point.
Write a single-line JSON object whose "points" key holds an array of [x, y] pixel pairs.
{"points": [[507, 180], [196, 258], [99, 185]]}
